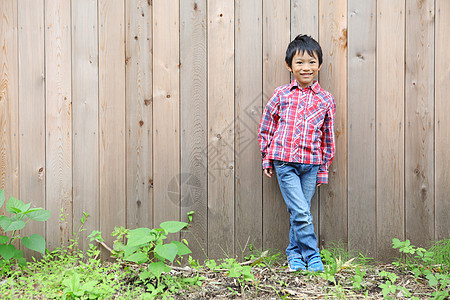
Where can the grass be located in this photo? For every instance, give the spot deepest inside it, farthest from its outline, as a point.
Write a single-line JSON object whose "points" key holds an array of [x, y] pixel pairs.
{"points": [[69, 273]]}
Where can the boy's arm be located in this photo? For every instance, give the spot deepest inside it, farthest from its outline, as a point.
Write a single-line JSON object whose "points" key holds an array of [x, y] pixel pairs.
{"points": [[328, 144], [267, 128]]}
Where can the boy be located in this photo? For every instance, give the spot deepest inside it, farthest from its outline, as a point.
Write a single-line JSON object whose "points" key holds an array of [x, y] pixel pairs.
{"points": [[296, 137]]}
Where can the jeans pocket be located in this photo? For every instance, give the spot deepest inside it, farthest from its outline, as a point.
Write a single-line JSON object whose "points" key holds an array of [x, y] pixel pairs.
{"points": [[279, 163]]}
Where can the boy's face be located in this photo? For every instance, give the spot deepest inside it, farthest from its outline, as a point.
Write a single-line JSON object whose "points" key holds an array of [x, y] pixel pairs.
{"points": [[305, 68]]}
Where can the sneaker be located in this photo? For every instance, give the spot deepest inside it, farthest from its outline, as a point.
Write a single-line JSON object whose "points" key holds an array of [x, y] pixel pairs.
{"points": [[315, 264], [296, 264]]}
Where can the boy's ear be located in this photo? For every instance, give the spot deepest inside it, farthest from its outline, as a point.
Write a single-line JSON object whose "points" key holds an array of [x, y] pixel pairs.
{"points": [[289, 68], [319, 67]]}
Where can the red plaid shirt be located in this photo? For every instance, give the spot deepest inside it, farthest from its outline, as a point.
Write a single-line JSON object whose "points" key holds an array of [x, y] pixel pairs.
{"points": [[297, 125]]}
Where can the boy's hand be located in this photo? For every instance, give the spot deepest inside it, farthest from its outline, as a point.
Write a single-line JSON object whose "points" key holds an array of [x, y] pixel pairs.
{"points": [[319, 184], [268, 172]]}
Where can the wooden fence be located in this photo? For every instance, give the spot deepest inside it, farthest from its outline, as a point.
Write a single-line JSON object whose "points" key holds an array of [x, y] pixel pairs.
{"points": [[139, 111]]}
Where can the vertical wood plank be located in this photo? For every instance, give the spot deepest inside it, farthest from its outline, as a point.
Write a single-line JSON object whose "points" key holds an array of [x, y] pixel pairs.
{"points": [[112, 116], [139, 114], [305, 20], [333, 78], [32, 108], [221, 128], [361, 86], [276, 37], [9, 101], [249, 96], [419, 136], [442, 122], [58, 155], [85, 116], [166, 133], [390, 125], [193, 118]]}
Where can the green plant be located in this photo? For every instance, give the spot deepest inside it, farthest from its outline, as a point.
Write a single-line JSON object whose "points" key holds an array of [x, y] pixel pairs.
{"points": [[388, 288], [358, 279], [419, 254], [439, 282], [422, 262], [147, 246], [21, 214]]}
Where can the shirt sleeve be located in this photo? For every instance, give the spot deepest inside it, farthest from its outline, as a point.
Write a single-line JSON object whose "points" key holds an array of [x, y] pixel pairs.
{"points": [[268, 126], [328, 143]]}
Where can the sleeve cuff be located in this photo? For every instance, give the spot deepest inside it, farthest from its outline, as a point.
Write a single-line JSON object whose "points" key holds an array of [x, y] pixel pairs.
{"points": [[322, 177], [267, 163]]}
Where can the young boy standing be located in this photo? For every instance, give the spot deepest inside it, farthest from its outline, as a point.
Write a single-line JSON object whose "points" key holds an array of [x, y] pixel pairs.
{"points": [[296, 138]]}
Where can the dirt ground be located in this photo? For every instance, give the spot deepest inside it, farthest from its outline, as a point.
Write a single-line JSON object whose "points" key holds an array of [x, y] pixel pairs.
{"points": [[278, 283]]}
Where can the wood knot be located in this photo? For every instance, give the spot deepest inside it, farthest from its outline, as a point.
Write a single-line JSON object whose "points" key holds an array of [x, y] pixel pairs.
{"points": [[219, 136], [147, 102], [141, 123], [168, 96], [195, 6], [221, 15], [416, 171]]}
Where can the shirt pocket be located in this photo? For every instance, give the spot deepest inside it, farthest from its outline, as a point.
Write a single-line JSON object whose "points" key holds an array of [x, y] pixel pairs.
{"points": [[315, 114]]}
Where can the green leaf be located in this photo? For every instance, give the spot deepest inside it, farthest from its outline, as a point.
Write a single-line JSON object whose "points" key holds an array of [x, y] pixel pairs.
{"points": [[8, 225], [35, 242], [89, 286], [2, 197], [139, 237], [18, 254], [7, 251], [138, 257], [173, 226], [167, 251], [4, 239], [432, 280], [22, 262], [14, 206], [40, 215], [182, 249], [157, 268]]}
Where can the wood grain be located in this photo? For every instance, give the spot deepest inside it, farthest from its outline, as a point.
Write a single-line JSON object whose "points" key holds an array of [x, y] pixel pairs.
{"points": [[32, 109], [9, 101], [333, 78], [390, 157], [85, 117], [221, 162], [248, 109], [166, 117], [419, 133], [193, 118], [276, 37], [58, 96], [112, 117], [442, 122], [362, 223], [139, 114]]}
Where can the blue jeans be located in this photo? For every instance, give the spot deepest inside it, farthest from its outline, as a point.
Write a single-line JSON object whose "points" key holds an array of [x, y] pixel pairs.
{"points": [[297, 184]]}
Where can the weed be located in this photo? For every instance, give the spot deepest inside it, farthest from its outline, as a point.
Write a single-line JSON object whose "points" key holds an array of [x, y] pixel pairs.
{"points": [[21, 214], [358, 279]]}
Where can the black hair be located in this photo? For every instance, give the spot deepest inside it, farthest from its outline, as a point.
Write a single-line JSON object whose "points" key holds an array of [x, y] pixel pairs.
{"points": [[301, 44]]}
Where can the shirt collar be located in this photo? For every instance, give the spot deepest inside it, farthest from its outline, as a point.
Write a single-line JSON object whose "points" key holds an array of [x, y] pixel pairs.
{"points": [[315, 87]]}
